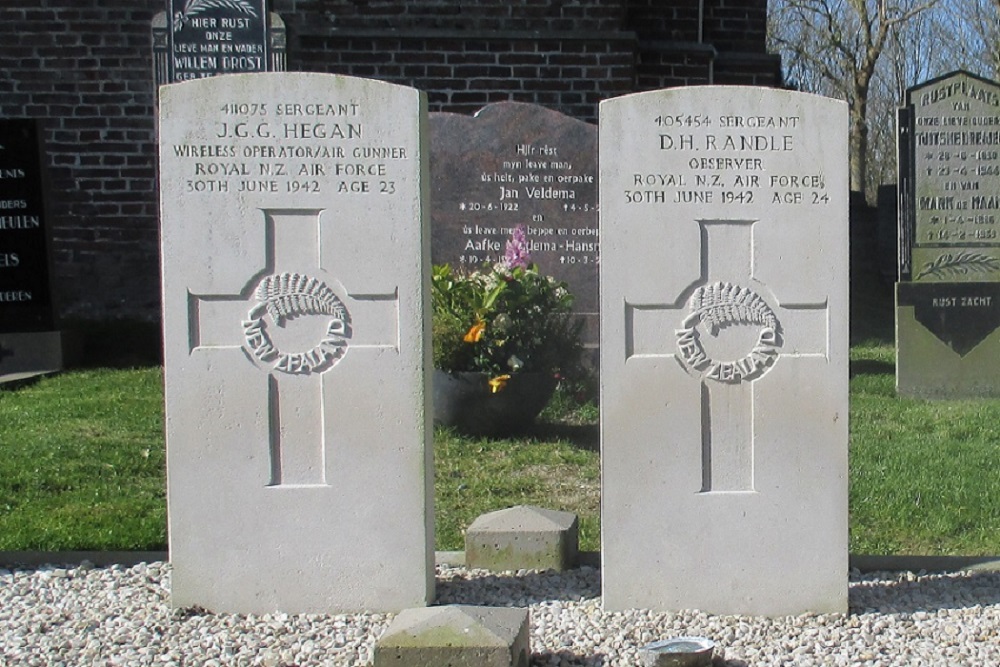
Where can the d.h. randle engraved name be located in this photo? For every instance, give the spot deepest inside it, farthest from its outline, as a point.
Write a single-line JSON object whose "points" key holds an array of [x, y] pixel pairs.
{"points": [[730, 160], [728, 142]]}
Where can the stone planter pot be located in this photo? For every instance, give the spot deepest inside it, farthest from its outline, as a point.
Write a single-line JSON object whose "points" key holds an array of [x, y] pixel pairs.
{"points": [[465, 402]]}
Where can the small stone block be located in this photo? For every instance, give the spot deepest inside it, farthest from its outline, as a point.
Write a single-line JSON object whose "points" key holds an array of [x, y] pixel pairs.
{"points": [[456, 636], [523, 538]]}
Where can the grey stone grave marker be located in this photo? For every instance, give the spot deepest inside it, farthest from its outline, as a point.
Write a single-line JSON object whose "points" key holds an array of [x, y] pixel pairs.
{"points": [[295, 258], [948, 295], [29, 343], [523, 537], [515, 163], [456, 636], [724, 310], [195, 39]]}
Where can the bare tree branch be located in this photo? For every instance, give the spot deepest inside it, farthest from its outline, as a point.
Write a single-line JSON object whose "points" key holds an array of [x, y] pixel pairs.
{"points": [[836, 47]]}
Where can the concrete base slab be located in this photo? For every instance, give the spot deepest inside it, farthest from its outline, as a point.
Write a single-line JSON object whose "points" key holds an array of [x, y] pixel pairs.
{"points": [[523, 538], [457, 636]]}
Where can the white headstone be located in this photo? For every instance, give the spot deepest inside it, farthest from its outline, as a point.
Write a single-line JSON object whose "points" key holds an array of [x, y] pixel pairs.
{"points": [[295, 258], [724, 340]]}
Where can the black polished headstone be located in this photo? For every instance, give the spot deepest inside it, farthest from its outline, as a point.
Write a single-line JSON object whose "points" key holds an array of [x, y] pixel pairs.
{"points": [[195, 39], [209, 38], [25, 294]]}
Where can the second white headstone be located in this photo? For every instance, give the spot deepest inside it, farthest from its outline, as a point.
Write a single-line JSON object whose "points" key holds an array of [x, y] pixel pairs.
{"points": [[724, 334]]}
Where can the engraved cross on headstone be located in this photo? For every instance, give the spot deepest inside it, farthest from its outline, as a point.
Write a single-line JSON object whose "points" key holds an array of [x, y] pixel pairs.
{"points": [[733, 333], [291, 323]]}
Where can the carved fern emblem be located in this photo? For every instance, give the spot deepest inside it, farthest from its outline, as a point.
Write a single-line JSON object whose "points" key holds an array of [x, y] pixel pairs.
{"points": [[289, 295], [284, 297], [715, 307], [195, 7], [947, 265], [722, 304]]}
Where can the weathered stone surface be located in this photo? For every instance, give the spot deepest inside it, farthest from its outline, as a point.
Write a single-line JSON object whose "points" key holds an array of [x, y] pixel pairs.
{"points": [[456, 636], [947, 314], [724, 340], [523, 538], [953, 143], [295, 255]]}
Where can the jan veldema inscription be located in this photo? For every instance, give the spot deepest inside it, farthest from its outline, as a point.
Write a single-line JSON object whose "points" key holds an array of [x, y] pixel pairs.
{"points": [[512, 164]]}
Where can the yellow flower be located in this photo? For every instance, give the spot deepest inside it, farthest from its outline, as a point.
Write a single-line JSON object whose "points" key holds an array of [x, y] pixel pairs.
{"points": [[498, 383], [475, 332]]}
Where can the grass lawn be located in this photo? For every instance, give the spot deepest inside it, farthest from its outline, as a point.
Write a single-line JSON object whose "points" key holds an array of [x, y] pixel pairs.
{"points": [[82, 462], [82, 466], [924, 476]]}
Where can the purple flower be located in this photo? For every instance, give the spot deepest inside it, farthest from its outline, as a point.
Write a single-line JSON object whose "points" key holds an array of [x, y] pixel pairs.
{"points": [[516, 253]]}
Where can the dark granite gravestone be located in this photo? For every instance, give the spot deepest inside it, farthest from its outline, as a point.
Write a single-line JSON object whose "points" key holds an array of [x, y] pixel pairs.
{"points": [[28, 343], [948, 297], [200, 38], [511, 164]]}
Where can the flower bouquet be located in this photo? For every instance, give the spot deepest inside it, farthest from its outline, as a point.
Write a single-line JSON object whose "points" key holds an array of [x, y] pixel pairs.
{"points": [[503, 335]]}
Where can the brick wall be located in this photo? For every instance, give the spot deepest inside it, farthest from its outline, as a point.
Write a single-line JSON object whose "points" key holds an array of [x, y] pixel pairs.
{"points": [[564, 54], [462, 74], [543, 15], [84, 70]]}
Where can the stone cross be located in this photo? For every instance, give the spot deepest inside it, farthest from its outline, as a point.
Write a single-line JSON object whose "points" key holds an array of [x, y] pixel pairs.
{"points": [[289, 288], [712, 344]]}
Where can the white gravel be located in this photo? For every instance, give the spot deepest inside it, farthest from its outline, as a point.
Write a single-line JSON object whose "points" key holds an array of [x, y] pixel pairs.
{"points": [[87, 616]]}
